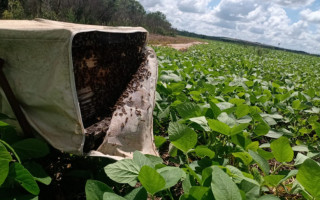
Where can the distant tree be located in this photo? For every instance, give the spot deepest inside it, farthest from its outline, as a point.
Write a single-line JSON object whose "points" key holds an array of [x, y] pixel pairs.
{"points": [[14, 10], [3, 6], [157, 22], [102, 12]]}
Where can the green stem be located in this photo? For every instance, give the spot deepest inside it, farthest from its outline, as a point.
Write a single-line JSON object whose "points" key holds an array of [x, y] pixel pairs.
{"points": [[277, 168], [187, 158], [169, 193], [12, 150], [193, 173]]}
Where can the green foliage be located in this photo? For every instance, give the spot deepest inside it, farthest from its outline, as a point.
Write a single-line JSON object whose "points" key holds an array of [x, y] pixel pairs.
{"points": [[152, 175], [250, 110], [151, 180], [21, 175], [31, 148], [15, 174], [223, 187], [181, 136], [309, 177], [100, 12], [282, 150], [95, 190], [14, 11], [124, 171]]}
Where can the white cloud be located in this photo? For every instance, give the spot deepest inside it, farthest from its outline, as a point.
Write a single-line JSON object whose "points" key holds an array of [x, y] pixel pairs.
{"points": [[256, 30], [150, 3], [263, 21], [311, 16], [193, 6], [293, 3], [234, 10]]}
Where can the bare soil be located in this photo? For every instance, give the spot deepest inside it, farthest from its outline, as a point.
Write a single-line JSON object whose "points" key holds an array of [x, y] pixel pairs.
{"points": [[179, 42]]}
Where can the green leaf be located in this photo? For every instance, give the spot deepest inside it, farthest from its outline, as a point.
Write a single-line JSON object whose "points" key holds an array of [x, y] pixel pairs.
{"points": [[216, 110], [159, 141], [282, 150], [31, 148], [170, 77], [177, 87], [188, 183], [38, 172], [181, 136], [254, 146], [151, 180], [198, 192], [238, 129], [137, 194], [112, 196], [241, 140], [296, 104], [262, 129], [224, 105], [154, 159], [242, 110], [223, 188], [4, 154], [188, 110], [3, 124], [289, 175], [300, 158], [237, 102], [141, 160], [123, 171], [274, 134], [171, 175], [270, 121], [309, 177], [251, 188], [265, 154], [206, 177], [9, 135], [219, 127], [203, 151], [4, 170], [95, 190], [268, 197], [273, 180], [225, 118], [5, 158], [202, 122], [244, 156], [235, 173], [300, 148], [24, 178], [245, 119], [262, 163]]}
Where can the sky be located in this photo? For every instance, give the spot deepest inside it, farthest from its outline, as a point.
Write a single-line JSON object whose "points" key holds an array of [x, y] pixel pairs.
{"points": [[292, 24]]}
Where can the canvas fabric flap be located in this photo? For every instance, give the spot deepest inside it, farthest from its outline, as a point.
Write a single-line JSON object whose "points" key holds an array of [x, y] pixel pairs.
{"points": [[38, 66]]}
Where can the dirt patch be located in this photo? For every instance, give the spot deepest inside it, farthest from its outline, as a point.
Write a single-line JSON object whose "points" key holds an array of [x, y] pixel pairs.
{"points": [[179, 42], [184, 46], [154, 39]]}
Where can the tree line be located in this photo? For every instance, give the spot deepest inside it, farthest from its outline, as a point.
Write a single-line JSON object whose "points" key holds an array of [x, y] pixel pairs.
{"points": [[98, 12]]}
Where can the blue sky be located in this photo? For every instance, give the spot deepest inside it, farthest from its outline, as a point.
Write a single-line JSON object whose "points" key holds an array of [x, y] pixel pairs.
{"points": [[295, 24]]}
